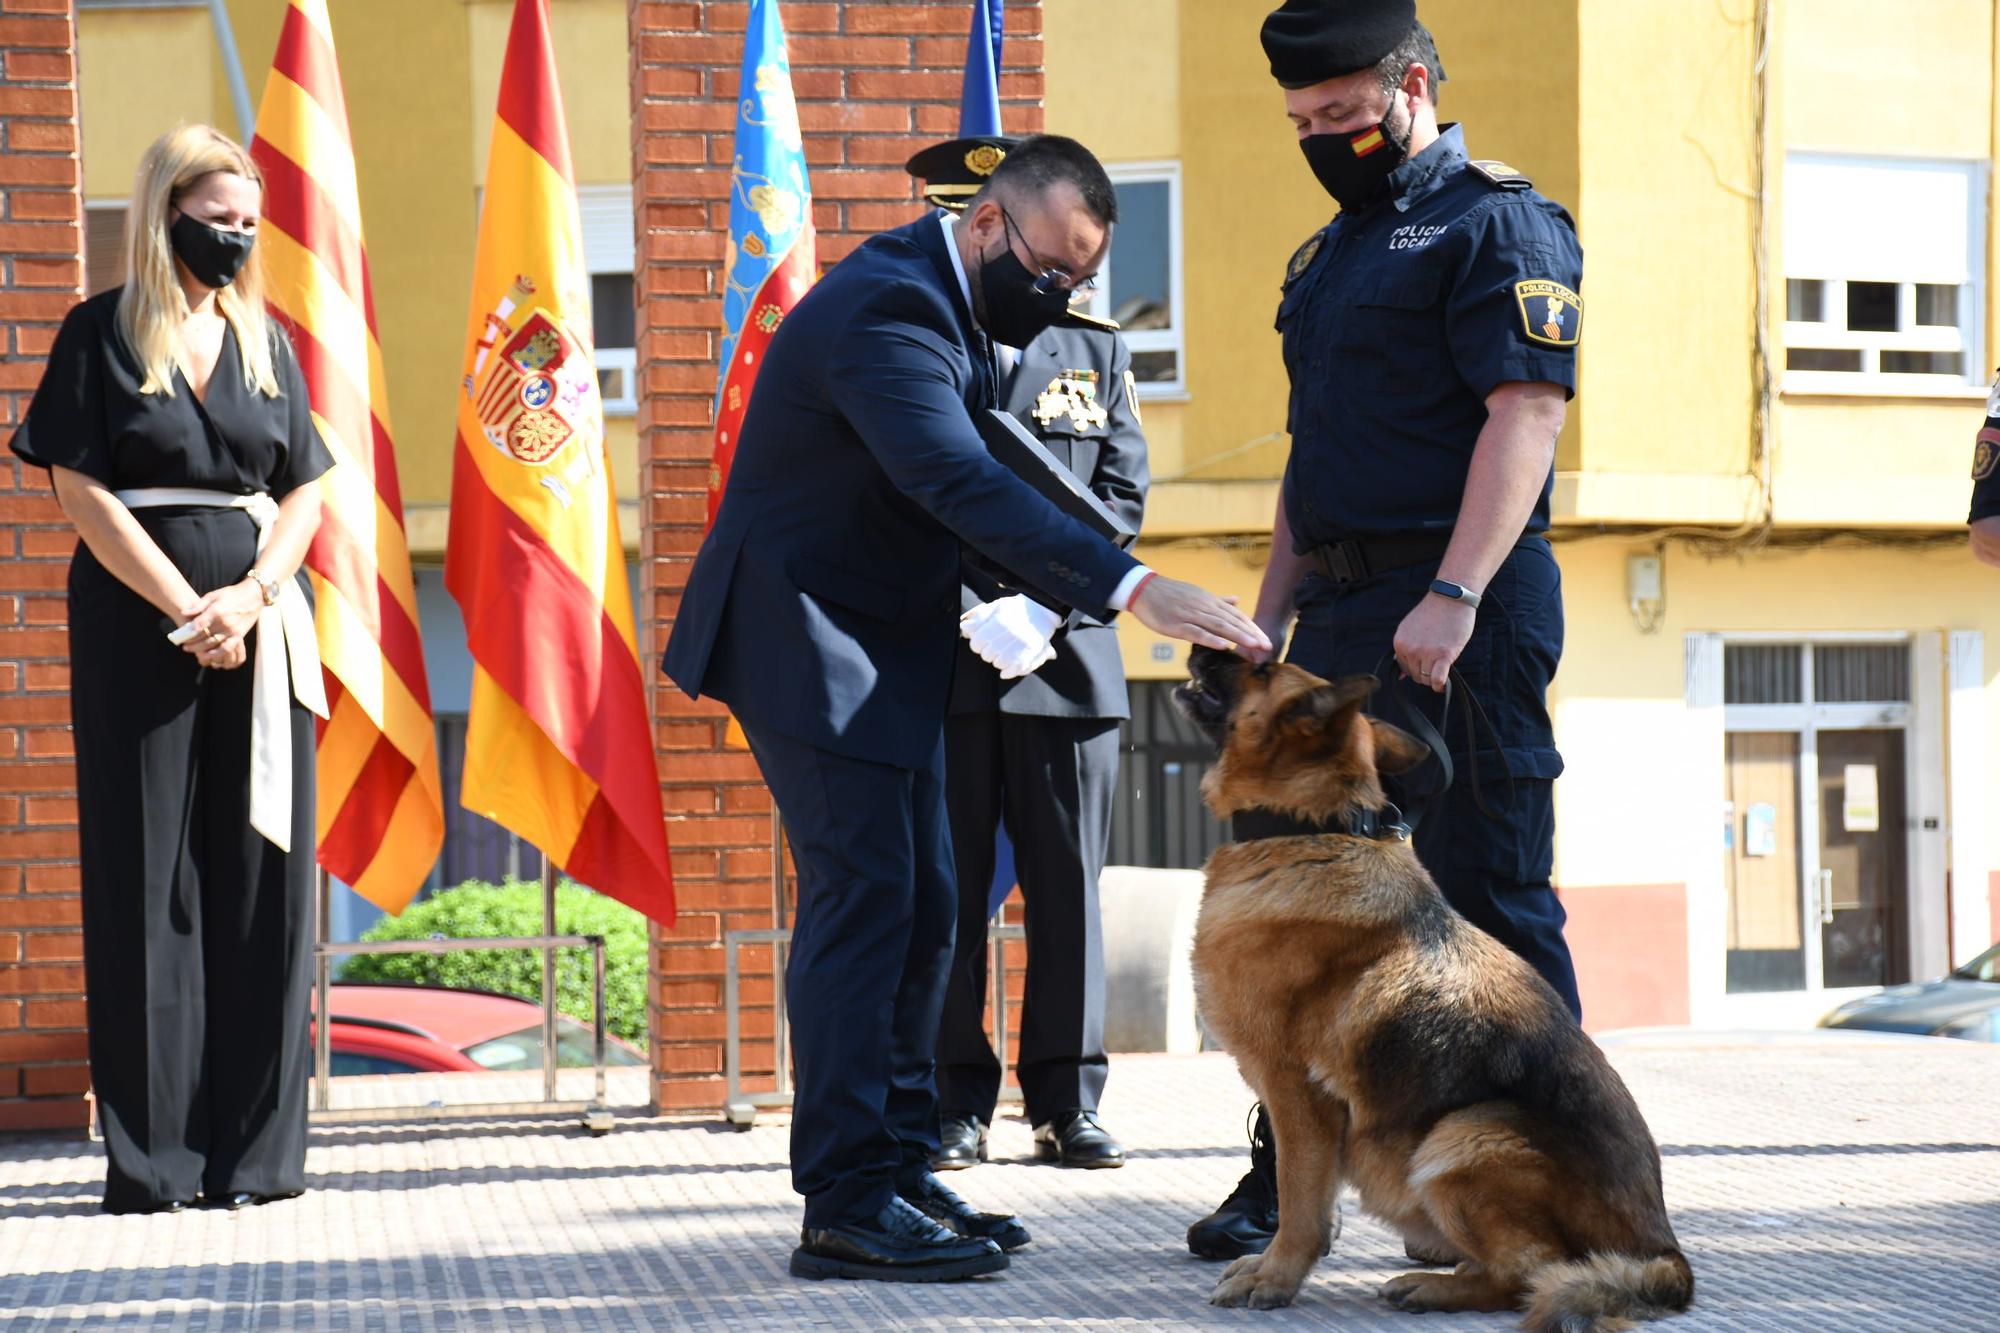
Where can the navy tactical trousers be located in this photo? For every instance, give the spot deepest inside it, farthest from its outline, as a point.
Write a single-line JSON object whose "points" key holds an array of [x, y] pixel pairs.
{"points": [[1493, 867]]}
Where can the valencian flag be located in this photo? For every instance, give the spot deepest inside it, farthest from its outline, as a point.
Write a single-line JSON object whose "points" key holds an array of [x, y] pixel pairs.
{"points": [[773, 250], [559, 745], [381, 818]]}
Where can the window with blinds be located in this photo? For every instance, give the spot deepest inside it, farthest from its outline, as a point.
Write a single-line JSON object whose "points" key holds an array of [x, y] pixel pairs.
{"points": [[103, 247], [1884, 271], [1842, 673]]}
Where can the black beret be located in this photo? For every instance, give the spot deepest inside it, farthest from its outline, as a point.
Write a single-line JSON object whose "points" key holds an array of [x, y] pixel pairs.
{"points": [[1311, 41], [954, 171]]}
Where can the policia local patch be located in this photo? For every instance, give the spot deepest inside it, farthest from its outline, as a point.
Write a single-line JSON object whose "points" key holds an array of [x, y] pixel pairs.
{"points": [[1551, 313]]}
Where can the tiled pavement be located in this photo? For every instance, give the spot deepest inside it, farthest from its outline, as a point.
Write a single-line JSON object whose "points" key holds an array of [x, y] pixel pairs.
{"points": [[1818, 1184]]}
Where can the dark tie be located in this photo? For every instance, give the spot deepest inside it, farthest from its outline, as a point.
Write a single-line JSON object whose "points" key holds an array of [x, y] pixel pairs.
{"points": [[984, 345]]}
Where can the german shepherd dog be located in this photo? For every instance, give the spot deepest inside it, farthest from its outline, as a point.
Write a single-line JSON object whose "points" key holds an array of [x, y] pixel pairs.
{"points": [[1401, 1049]]}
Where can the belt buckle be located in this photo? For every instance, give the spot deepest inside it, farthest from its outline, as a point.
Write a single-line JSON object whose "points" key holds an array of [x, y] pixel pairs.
{"points": [[1344, 562]]}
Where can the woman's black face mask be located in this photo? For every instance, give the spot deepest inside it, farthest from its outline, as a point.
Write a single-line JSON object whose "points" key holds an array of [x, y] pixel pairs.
{"points": [[213, 255]]}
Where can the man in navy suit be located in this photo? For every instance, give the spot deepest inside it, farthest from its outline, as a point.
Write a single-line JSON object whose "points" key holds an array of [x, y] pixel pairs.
{"points": [[823, 608]]}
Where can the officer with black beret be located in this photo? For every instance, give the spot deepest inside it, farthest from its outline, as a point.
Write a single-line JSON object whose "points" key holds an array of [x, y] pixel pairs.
{"points": [[1984, 520], [1039, 750], [1430, 331]]}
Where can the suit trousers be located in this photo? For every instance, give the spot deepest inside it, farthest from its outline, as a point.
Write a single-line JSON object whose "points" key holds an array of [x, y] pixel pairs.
{"points": [[871, 940], [197, 932], [1052, 779]]}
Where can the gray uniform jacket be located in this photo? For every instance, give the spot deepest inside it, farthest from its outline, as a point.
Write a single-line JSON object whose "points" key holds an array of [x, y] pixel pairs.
{"points": [[1087, 676]]}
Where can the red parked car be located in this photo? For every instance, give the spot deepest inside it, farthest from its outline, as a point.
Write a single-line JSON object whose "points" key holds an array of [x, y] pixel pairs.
{"points": [[400, 1029]]}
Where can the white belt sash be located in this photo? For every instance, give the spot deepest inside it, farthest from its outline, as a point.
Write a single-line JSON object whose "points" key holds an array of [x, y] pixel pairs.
{"points": [[286, 644]]}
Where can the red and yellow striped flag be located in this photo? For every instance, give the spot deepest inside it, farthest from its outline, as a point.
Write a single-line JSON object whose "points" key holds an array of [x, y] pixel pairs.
{"points": [[559, 744], [381, 815]]}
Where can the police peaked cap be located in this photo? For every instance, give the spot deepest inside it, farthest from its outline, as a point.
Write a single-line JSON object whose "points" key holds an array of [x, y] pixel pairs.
{"points": [[954, 171], [1311, 41]]}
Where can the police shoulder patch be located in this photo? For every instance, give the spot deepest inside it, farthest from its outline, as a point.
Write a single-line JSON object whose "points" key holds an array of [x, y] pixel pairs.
{"points": [[1551, 313], [1985, 453], [1500, 174], [1303, 256]]}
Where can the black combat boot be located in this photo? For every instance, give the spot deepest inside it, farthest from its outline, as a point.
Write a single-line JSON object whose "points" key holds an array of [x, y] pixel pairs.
{"points": [[1248, 1218]]}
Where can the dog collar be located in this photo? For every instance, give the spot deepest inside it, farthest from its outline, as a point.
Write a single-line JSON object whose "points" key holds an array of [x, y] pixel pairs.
{"points": [[1385, 824]]}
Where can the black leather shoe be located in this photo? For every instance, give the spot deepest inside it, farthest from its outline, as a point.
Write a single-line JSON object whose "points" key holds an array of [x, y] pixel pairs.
{"points": [[1074, 1138], [929, 1196], [898, 1244], [961, 1143], [1248, 1218], [229, 1202]]}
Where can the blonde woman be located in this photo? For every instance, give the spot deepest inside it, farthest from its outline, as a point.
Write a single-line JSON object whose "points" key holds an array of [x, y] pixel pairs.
{"points": [[174, 422]]}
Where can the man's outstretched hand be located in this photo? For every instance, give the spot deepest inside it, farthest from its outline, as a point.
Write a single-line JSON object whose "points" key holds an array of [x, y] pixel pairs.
{"points": [[1183, 611]]}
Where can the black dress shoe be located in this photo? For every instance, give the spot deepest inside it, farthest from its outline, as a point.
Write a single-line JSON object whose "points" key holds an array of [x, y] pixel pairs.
{"points": [[929, 1196], [1248, 1218], [145, 1207], [961, 1143], [898, 1244], [229, 1202], [1074, 1138]]}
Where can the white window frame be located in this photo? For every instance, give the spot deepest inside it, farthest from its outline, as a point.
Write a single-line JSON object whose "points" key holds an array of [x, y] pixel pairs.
{"points": [[601, 206], [1174, 338], [1966, 337]]}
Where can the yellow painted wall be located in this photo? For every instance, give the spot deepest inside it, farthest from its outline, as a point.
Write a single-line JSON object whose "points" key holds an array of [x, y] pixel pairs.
{"points": [[122, 113], [1666, 166]]}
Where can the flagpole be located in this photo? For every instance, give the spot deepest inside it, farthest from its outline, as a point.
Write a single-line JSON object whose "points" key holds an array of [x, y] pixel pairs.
{"points": [[323, 989], [549, 979], [232, 65]]}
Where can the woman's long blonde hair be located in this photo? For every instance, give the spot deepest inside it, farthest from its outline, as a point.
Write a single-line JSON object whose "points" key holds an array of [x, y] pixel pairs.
{"points": [[152, 305]]}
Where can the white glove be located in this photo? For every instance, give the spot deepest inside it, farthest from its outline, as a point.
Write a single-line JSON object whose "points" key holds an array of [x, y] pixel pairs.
{"points": [[1012, 634]]}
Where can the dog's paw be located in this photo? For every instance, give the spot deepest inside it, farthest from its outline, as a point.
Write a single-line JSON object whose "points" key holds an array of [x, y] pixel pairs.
{"points": [[1249, 1281], [1416, 1293], [1249, 1263]]}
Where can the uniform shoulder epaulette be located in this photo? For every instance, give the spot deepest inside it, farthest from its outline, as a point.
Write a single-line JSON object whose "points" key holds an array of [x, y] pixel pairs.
{"points": [[1303, 256], [1089, 323], [1501, 174]]}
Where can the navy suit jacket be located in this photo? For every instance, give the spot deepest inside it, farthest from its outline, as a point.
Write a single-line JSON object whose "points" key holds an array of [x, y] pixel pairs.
{"points": [[1086, 679], [824, 602]]}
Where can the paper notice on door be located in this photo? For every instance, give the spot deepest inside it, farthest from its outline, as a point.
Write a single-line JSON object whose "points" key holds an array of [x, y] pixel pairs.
{"points": [[1760, 830], [1861, 807]]}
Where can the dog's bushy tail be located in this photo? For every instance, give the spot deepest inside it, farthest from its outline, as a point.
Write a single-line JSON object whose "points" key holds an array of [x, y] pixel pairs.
{"points": [[1607, 1292]]}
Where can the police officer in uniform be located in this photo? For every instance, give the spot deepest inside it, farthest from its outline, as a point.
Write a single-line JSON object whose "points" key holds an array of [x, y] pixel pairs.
{"points": [[1430, 331], [1039, 751], [1985, 516]]}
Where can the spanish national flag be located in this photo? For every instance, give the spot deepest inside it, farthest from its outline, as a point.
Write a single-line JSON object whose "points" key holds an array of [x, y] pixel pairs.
{"points": [[1367, 141], [559, 744], [381, 817]]}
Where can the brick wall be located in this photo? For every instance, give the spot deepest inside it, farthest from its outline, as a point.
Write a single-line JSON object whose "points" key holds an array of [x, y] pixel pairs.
{"points": [[875, 81], [43, 1067]]}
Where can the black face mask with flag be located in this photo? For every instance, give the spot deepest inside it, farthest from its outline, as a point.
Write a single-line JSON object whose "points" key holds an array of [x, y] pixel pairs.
{"points": [[1354, 168]]}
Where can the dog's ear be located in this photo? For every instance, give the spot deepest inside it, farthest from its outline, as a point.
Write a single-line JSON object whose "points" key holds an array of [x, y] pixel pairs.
{"points": [[1396, 750], [1316, 709]]}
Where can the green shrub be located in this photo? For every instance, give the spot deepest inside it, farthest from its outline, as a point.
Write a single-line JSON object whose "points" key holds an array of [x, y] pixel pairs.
{"points": [[475, 909]]}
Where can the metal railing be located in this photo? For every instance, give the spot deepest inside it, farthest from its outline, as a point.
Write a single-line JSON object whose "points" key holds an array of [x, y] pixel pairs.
{"points": [[739, 1106], [596, 1114]]}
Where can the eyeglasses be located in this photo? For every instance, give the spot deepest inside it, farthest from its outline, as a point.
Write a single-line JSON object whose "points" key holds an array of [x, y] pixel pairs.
{"points": [[1051, 279]]}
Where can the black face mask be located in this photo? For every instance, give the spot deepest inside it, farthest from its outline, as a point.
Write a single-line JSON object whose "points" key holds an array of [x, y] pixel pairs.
{"points": [[214, 256], [1017, 308], [1354, 168]]}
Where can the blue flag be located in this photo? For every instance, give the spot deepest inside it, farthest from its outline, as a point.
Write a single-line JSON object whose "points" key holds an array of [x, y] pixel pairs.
{"points": [[979, 103]]}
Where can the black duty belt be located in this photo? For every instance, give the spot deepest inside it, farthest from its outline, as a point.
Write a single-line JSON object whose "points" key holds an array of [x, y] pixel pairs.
{"points": [[1356, 559]]}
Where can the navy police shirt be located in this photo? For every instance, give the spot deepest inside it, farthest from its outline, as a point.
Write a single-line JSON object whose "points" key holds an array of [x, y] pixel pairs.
{"points": [[1986, 462], [1399, 320]]}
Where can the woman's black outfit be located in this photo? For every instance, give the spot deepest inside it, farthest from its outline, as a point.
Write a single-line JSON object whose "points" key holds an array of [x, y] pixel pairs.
{"points": [[197, 931]]}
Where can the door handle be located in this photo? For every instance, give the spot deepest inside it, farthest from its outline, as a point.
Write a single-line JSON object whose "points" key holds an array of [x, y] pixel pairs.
{"points": [[1826, 897]]}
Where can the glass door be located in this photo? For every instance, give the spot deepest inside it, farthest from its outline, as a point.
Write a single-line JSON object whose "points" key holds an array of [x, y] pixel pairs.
{"points": [[1766, 868], [1862, 890]]}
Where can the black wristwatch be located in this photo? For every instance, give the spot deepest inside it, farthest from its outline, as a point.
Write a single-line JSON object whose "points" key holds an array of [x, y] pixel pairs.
{"points": [[1458, 592]]}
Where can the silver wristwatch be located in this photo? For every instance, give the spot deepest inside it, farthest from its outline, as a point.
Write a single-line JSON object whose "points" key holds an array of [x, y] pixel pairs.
{"points": [[270, 588]]}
